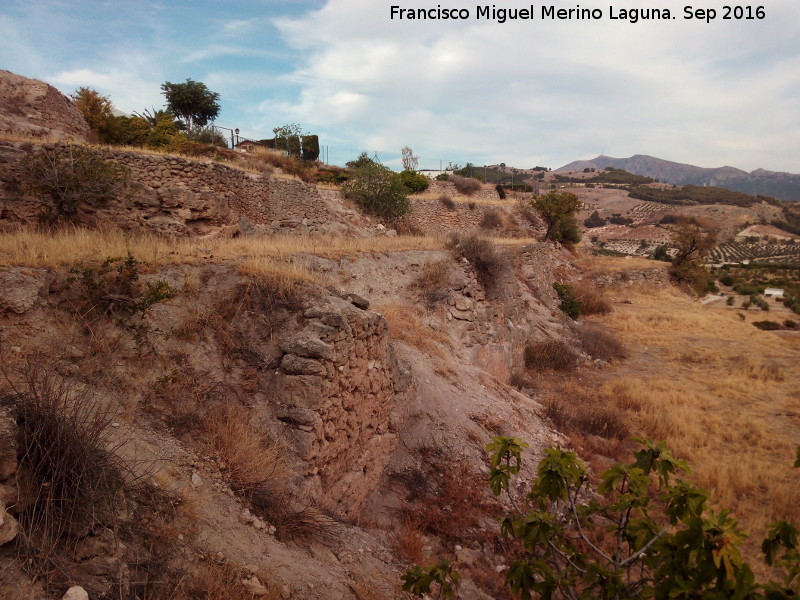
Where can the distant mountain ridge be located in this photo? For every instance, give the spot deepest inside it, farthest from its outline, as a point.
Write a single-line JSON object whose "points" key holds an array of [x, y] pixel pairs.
{"points": [[785, 186]]}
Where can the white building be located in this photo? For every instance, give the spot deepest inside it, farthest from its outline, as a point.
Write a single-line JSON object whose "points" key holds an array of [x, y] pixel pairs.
{"points": [[773, 293]]}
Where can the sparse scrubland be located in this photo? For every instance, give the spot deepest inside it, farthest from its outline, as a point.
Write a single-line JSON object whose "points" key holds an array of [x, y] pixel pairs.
{"points": [[299, 406]]}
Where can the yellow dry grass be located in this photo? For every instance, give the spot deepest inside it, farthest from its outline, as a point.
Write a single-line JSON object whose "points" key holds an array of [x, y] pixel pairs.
{"points": [[406, 325], [720, 392], [70, 245]]}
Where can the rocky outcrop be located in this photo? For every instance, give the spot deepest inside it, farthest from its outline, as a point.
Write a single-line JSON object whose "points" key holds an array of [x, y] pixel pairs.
{"points": [[338, 391], [30, 108], [8, 467]]}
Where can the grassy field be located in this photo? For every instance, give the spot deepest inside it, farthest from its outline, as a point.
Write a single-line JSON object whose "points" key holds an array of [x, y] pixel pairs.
{"points": [[722, 394]]}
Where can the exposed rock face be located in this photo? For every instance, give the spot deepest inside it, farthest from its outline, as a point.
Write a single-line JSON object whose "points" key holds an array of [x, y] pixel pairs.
{"points": [[8, 466], [337, 390], [19, 291], [30, 108]]}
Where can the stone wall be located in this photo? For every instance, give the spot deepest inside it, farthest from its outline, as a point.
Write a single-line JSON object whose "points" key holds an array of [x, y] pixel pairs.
{"points": [[432, 217], [655, 276], [173, 195], [336, 391]]}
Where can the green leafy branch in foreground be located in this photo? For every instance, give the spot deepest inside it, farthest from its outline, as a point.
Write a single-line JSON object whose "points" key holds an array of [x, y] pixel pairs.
{"points": [[644, 533]]}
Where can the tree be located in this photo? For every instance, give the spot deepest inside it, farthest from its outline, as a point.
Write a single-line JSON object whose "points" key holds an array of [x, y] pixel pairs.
{"points": [[693, 241], [191, 101], [410, 161], [377, 189], [96, 111], [643, 534], [558, 209]]}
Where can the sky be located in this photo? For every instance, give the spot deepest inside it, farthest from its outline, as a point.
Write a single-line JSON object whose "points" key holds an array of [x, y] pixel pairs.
{"points": [[529, 92]]}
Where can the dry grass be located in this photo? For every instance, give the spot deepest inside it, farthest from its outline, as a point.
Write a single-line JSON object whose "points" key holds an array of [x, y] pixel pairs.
{"points": [[722, 394], [593, 300], [253, 461], [550, 355], [600, 343], [406, 325], [67, 246], [433, 282]]}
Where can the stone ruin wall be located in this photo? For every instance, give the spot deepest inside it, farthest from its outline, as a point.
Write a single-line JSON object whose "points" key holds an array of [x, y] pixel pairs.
{"points": [[338, 391], [174, 195]]}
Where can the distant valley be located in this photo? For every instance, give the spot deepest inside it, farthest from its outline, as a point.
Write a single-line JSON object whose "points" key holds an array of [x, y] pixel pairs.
{"points": [[785, 186]]}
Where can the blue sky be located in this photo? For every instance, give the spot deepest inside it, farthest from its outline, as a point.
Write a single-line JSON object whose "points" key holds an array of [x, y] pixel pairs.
{"points": [[525, 93]]}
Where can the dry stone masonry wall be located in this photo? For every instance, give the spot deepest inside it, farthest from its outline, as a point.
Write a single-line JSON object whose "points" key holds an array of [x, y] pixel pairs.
{"points": [[338, 390], [175, 195]]}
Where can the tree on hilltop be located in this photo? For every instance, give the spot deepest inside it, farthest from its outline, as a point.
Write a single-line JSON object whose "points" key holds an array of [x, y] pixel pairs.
{"points": [[192, 101]]}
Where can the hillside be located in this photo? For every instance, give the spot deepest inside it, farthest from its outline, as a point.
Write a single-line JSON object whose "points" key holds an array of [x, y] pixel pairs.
{"points": [[221, 379], [785, 186]]}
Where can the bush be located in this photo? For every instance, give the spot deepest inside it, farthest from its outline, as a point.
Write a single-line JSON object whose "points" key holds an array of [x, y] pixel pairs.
{"points": [[789, 324], [592, 299], [465, 185], [376, 189], [113, 289], [551, 355], [72, 478], [767, 325], [501, 192], [585, 417], [414, 182], [601, 344], [558, 209], [570, 305], [594, 220], [661, 253], [727, 280], [434, 282], [442, 177], [447, 202], [491, 267], [730, 301], [491, 219], [620, 220], [71, 177]]}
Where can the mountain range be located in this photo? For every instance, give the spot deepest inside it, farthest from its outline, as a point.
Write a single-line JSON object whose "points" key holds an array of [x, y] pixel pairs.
{"points": [[785, 186]]}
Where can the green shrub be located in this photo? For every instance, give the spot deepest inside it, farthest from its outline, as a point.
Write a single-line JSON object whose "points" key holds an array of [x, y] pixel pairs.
{"points": [[414, 182], [644, 532], [376, 189], [442, 177], [661, 253], [71, 177], [727, 280], [570, 305], [767, 325], [730, 301], [558, 209], [594, 220], [789, 324]]}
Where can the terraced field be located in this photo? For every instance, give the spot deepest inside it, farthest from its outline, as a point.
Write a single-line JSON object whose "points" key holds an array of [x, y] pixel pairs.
{"points": [[736, 252]]}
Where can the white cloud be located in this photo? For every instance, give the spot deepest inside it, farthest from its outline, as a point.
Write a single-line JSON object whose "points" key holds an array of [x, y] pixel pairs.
{"points": [[526, 92]]}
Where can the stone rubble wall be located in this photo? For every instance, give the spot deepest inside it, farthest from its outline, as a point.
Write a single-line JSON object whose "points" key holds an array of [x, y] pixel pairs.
{"points": [[657, 277], [174, 195], [337, 391]]}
